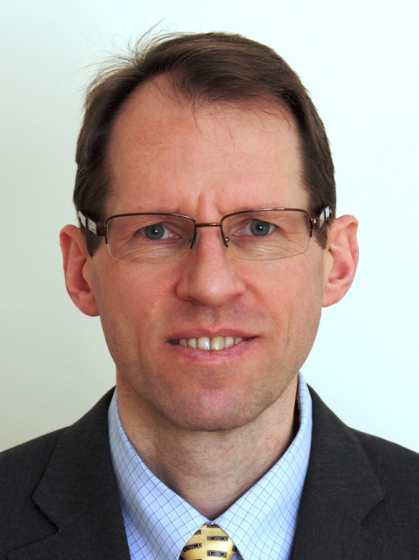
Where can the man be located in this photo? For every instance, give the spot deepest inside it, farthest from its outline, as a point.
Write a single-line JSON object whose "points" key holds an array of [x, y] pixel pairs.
{"points": [[208, 244]]}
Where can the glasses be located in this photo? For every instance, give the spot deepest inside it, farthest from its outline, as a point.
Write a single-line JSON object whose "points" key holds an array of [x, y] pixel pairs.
{"points": [[260, 235]]}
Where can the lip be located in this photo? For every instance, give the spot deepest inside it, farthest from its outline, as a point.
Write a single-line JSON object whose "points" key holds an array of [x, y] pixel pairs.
{"points": [[219, 357], [198, 333]]}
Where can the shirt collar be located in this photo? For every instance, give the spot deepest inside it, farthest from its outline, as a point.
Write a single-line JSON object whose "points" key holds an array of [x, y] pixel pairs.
{"points": [[261, 523]]}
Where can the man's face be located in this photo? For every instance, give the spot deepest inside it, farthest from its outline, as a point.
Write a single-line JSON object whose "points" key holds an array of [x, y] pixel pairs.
{"points": [[205, 163]]}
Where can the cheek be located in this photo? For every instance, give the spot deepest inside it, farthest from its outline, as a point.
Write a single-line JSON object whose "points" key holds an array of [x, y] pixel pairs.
{"points": [[125, 288], [307, 296], [130, 300], [292, 292], [289, 285]]}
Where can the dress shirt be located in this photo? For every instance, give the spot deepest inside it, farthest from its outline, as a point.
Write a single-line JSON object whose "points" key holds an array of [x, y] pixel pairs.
{"points": [[261, 523]]}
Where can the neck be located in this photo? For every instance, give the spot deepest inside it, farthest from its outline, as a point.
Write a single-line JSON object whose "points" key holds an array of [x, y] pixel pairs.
{"points": [[209, 470]]}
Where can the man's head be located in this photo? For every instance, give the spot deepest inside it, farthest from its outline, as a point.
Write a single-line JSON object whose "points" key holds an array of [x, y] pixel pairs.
{"points": [[170, 150]]}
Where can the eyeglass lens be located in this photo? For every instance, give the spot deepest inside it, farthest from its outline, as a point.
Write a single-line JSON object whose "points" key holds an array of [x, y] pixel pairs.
{"points": [[260, 235]]}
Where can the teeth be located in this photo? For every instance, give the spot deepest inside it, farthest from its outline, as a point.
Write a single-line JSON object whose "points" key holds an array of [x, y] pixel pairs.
{"points": [[228, 341], [215, 343], [204, 343]]}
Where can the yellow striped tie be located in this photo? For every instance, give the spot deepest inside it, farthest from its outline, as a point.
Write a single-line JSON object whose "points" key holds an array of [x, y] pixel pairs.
{"points": [[208, 542]]}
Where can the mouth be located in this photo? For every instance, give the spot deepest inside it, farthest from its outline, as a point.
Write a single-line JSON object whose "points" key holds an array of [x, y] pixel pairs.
{"points": [[210, 344]]}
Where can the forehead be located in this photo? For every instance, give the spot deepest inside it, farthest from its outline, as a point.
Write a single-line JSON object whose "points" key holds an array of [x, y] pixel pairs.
{"points": [[167, 154]]}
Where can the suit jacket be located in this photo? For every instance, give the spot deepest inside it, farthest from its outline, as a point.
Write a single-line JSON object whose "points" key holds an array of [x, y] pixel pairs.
{"points": [[59, 499]]}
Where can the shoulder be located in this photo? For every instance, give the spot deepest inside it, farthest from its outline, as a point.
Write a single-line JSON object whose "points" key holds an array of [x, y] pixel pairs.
{"points": [[23, 465], [28, 461], [383, 455], [396, 467], [386, 453], [21, 469], [371, 481], [332, 438], [396, 516], [48, 470], [58, 460]]}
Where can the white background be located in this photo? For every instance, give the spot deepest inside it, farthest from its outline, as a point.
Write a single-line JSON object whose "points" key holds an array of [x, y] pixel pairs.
{"points": [[358, 59]]}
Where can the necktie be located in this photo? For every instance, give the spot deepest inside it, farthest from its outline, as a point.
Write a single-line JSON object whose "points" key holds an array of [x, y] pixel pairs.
{"points": [[208, 541]]}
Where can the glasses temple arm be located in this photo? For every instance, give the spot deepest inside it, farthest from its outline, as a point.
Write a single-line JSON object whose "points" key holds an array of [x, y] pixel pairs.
{"points": [[96, 229], [325, 214]]}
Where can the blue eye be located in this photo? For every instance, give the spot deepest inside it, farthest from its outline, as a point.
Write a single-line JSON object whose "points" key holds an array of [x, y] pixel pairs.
{"points": [[260, 228], [155, 231]]}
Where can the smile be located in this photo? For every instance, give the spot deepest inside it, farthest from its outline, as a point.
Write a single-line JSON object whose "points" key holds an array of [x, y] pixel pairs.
{"points": [[214, 344]]}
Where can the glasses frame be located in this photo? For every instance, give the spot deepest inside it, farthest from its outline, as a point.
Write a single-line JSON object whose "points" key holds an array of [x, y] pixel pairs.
{"points": [[101, 230]]}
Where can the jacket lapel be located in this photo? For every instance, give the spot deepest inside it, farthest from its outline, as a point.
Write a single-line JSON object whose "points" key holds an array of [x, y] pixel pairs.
{"points": [[79, 495], [340, 490]]}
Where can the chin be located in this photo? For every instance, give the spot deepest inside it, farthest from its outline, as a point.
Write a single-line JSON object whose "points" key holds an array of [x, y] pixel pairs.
{"points": [[219, 416], [210, 425]]}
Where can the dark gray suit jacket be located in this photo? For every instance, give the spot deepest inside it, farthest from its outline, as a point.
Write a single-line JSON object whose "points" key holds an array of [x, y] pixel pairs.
{"points": [[59, 499]]}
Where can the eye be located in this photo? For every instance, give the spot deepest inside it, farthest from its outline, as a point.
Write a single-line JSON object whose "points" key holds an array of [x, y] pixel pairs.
{"points": [[258, 228], [155, 231]]}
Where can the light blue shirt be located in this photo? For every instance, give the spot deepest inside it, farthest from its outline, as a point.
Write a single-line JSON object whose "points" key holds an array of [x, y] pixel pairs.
{"points": [[261, 523]]}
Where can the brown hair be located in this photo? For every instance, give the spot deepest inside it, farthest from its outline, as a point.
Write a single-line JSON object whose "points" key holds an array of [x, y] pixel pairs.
{"points": [[207, 67]]}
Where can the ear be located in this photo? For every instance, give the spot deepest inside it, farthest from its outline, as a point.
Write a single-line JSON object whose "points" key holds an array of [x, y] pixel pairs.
{"points": [[77, 263], [341, 259]]}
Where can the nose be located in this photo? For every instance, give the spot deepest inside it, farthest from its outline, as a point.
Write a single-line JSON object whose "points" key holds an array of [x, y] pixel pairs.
{"points": [[209, 273]]}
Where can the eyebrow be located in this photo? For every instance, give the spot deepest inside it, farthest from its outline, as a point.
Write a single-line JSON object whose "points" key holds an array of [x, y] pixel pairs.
{"points": [[178, 210]]}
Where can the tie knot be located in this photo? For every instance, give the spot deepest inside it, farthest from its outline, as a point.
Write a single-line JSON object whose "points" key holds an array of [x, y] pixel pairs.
{"points": [[209, 541]]}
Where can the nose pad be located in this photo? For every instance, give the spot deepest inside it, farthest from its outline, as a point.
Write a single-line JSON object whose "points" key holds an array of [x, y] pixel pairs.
{"points": [[224, 240], [194, 241]]}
